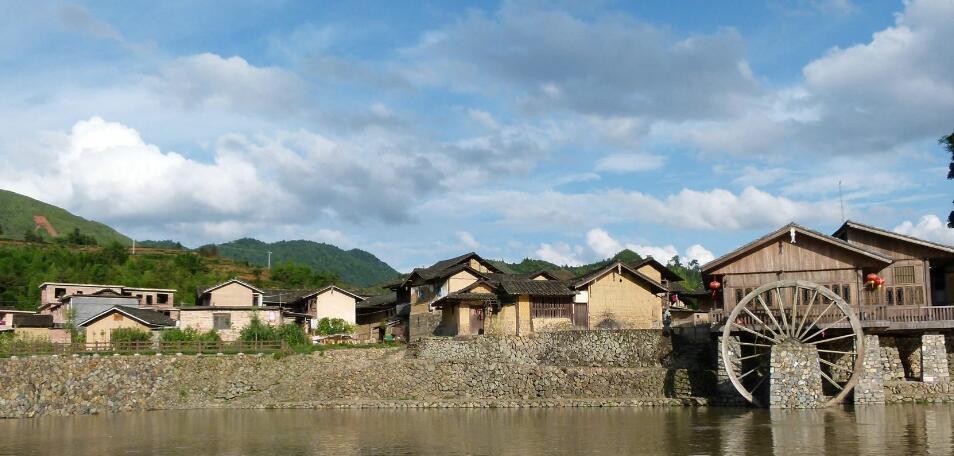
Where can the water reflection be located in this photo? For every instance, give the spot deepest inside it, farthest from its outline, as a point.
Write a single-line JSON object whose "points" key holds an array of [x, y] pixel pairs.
{"points": [[863, 430]]}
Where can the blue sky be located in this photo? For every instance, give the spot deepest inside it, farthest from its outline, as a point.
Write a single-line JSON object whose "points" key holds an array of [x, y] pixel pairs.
{"points": [[418, 131]]}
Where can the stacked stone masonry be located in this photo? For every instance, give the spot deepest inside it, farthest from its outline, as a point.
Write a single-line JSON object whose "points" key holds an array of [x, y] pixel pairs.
{"points": [[795, 379], [870, 388], [934, 363]]}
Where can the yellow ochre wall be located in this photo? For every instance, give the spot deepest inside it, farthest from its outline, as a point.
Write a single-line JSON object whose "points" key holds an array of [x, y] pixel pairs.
{"points": [[233, 294], [651, 272], [335, 304], [101, 330], [617, 300]]}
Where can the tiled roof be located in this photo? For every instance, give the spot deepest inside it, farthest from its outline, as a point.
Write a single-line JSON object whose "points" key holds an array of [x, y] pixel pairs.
{"points": [[385, 300], [148, 317], [585, 279], [535, 287]]}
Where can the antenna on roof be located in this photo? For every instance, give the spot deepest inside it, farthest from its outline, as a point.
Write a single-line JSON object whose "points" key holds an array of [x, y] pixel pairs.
{"points": [[841, 200]]}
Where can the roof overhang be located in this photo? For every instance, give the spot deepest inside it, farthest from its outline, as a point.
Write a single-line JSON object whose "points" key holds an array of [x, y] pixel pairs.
{"points": [[620, 267], [891, 234]]}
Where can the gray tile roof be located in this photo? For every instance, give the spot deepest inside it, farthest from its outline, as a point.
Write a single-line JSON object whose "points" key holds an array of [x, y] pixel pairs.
{"points": [[149, 317]]}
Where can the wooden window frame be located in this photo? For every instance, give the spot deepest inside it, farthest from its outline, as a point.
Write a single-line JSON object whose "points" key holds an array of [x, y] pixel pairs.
{"points": [[907, 277], [216, 318]]}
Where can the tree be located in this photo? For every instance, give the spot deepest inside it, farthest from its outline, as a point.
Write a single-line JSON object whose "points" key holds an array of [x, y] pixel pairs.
{"points": [[130, 335], [948, 143], [331, 326], [32, 236], [208, 251]]}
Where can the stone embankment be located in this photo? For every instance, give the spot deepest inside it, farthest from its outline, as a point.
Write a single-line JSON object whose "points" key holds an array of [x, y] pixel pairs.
{"points": [[620, 375]]}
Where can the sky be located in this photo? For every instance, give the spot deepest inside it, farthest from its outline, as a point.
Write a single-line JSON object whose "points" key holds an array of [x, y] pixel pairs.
{"points": [[422, 130]]}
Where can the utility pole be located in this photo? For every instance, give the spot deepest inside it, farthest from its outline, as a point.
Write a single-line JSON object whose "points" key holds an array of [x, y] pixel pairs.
{"points": [[134, 247], [269, 260]]}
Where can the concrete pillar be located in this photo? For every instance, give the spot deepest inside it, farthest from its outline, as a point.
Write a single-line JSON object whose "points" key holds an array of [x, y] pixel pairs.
{"points": [[870, 388], [795, 377], [934, 367], [726, 393]]}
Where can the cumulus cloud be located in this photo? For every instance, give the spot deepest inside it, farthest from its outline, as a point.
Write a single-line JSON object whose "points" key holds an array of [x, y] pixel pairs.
{"points": [[630, 162], [716, 209], [561, 253], [696, 252], [602, 243], [928, 227], [555, 60], [468, 240], [211, 81]]}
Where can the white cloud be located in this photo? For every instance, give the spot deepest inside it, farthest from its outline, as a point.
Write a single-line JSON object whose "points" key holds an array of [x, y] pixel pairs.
{"points": [[929, 227], [213, 82], [560, 253], [697, 252], [602, 243], [468, 240], [661, 254], [630, 162]]}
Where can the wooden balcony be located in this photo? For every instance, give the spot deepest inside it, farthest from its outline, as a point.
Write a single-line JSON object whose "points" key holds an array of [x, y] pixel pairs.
{"points": [[871, 316]]}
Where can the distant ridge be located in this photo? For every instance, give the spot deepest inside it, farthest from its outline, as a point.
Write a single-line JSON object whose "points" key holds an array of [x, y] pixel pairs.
{"points": [[19, 214], [354, 266]]}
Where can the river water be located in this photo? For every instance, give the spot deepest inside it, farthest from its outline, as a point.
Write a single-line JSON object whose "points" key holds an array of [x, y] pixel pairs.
{"points": [[921, 429]]}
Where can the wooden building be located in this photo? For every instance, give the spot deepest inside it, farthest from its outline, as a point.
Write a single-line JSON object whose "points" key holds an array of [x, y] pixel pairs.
{"points": [[916, 273]]}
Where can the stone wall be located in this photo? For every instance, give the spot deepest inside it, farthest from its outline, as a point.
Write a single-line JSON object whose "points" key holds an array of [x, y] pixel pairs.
{"points": [[597, 348], [367, 378], [423, 324], [870, 388], [892, 368], [795, 380], [918, 392], [934, 367]]}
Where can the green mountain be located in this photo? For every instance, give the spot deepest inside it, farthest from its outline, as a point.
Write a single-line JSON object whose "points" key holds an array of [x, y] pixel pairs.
{"points": [[354, 266], [21, 214], [691, 272]]}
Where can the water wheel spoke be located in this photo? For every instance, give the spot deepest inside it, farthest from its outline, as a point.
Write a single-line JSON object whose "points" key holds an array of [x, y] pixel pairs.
{"points": [[838, 352], [755, 333], [760, 382], [795, 294], [829, 363], [833, 383], [749, 372], [781, 310], [809, 327], [760, 322], [826, 328], [769, 312], [750, 344], [808, 311], [752, 356], [831, 339]]}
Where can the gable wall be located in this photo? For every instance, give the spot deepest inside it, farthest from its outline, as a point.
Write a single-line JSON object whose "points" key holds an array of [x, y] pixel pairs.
{"points": [[233, 294], [806, 254], [335, 304], [651, 272], [617, 300]]}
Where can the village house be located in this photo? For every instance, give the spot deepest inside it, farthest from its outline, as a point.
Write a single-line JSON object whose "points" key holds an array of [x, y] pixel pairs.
{"points": [[377, 317], [158, 299], [467, 295], [99, 327], [26, 323], [230, 306], [328, 302]]}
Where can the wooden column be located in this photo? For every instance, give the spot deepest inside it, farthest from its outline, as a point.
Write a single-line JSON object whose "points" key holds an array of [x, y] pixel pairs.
{"points": [[928, 290]]}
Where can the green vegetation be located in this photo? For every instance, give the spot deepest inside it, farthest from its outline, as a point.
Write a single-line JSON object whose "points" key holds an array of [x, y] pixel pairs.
{"points": [[23, 267], [301, 276], [948, 143], [331, 326], [690, 273], [189, 335], [291, 333], [166, 244], [16, 218], [130, 335], [354, 266]]}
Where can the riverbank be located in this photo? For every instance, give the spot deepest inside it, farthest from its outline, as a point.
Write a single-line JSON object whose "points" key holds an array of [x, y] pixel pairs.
{"points": [[381, 378]]}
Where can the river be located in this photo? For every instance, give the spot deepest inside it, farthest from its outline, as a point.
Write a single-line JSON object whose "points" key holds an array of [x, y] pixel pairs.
{"points": [[914, 429]]}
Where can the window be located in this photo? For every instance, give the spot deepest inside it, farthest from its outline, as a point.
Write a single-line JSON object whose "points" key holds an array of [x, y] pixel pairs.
{"points": [[148, 300], [162, 298], [846, 293], [221, 321], [835, 288], [903, 274], [117, 317], [899, 295], [918, 295], [551, 307], [59, 292], [738, 295], [889, 296]]}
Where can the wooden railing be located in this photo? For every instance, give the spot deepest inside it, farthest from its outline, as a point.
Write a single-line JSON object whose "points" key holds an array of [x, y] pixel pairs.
{"points": [[15, 348], [894, 314]]}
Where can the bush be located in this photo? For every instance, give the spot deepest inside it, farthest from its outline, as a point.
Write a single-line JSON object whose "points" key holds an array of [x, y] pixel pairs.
{"points": [[130, 335], [256, 330], [330, 326], [189, 335]]}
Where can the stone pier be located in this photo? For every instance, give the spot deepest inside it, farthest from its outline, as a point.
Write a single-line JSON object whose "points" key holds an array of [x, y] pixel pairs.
{"points": [[870, 388], [934, 365], [795, 377], [725, 393]]}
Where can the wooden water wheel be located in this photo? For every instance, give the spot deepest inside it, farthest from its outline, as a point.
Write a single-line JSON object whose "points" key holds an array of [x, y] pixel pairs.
{"points": [[792, 311]]}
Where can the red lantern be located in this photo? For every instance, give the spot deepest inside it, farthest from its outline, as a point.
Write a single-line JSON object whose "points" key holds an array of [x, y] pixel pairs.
{"points": [[714, 285], [872, 278], [879, 281]]}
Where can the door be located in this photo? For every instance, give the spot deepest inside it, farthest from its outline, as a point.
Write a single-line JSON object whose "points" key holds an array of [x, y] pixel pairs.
{"points": [[580, 316], [476, 320]]}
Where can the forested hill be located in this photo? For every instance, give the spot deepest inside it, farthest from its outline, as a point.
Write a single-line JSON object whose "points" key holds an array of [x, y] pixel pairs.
{"points": [[354, 266], [22, 217], [25, 265], [689, 272]]}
